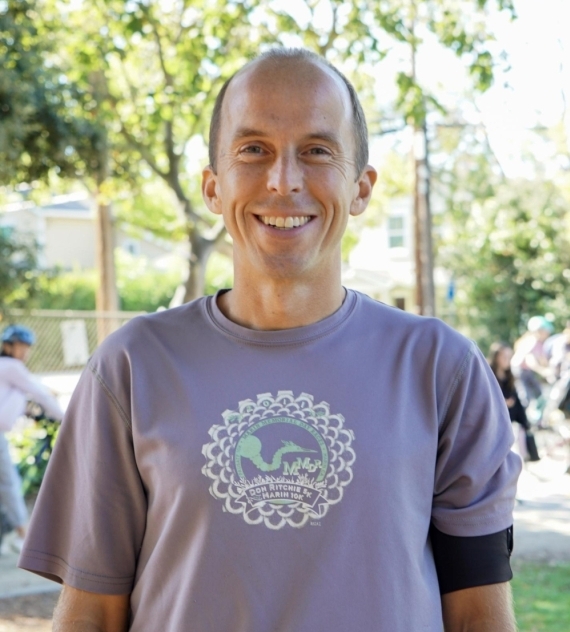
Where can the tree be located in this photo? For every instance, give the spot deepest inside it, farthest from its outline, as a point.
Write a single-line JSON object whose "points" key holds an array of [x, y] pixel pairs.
{"points": [[43, 128], [506, 241], [18, 264], [38, 134]]}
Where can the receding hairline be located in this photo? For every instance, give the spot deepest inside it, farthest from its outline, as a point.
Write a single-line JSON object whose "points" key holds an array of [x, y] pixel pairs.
{"points": [[249, 71], [297, 58], [279, 63]]}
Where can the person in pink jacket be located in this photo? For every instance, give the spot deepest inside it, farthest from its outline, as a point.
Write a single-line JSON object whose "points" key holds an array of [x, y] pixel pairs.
{"points": [[17, 386]]}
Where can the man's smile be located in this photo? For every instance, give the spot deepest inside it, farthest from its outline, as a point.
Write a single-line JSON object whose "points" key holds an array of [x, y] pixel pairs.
{"points": [[285, 222]]}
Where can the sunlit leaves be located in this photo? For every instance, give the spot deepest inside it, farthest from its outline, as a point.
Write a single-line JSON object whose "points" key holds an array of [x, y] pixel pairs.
{"points": [[506, 242], [18, 263]]}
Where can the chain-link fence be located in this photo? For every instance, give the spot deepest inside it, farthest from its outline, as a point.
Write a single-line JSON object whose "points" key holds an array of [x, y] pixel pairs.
{"points": [[65, 339]]}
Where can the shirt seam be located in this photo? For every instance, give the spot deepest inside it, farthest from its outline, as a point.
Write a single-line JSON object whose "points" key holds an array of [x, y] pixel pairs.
{"points": [[111, 396], [56, 559], [280, 343], [457, 379], [486, 518]]}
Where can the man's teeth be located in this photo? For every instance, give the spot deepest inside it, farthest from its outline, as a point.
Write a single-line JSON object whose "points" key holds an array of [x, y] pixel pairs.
{"points": [[285, 222]]}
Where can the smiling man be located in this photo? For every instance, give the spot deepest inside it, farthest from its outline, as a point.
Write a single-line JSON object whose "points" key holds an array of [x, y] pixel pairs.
{"points": [[287, 455]]}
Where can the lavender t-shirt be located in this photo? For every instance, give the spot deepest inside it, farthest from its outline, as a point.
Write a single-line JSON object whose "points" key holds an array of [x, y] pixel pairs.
{"points": [[274, 481]]}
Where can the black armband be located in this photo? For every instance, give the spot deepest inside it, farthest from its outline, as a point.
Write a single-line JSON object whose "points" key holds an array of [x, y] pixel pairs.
{"points": [[466, 562]]}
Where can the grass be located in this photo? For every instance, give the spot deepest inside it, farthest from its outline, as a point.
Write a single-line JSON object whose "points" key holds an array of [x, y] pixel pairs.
{"points": [[542, 597]]}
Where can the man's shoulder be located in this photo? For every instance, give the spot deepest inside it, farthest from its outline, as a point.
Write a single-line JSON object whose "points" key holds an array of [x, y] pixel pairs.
{"points": [[143, 335], [164, 323], [408, 325]]}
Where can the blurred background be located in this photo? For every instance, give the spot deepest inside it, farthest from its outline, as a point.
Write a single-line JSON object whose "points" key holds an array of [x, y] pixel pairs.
{"points": [[104, 113]]}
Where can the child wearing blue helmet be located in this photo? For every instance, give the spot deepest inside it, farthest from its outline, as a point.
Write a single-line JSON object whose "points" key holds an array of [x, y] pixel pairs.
{"points": [[17, 385]]}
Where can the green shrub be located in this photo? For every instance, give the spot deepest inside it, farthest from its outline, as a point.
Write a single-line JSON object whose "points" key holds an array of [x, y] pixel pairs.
{"points": [[32, 448], [66, 290]]}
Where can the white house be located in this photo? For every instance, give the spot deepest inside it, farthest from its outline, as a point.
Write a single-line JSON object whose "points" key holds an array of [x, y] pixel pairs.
{"points": [[382, 264], [64, 229]]}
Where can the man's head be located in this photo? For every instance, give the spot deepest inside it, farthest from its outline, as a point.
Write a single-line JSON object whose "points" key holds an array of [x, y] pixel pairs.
{"points": [[299, 55], [17, 341], [286, 176]]}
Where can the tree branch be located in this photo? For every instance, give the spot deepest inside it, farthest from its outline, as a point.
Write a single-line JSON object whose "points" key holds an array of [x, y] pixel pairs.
{"points": [[143, 151], [323, 50]]}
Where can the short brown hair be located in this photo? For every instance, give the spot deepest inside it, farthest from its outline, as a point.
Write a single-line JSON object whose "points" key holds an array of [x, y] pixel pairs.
{"points": [[360, 128]]}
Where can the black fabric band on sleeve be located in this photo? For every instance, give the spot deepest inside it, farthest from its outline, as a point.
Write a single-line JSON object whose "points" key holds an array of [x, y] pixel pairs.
{"points": [[466, 562]]}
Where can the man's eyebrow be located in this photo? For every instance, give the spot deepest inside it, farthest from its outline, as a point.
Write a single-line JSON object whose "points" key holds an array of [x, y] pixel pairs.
{"points": [[247, 132], [327, 137]]}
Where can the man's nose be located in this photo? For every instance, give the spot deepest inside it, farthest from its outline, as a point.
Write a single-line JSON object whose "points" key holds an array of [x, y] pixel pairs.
{"points": [[285, 175]]}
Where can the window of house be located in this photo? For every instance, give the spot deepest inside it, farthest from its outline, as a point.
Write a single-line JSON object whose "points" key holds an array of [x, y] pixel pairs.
{"points": [[396, 231]]}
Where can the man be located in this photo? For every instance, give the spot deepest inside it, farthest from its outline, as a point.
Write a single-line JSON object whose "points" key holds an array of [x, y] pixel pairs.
{"points": [[16, 386], [272, 458]]}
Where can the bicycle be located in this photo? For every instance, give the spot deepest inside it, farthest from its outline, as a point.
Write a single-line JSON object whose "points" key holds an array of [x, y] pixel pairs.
{"points": [[33, 448]]}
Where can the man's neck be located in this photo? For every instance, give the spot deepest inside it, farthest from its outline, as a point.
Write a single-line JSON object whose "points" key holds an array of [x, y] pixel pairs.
{"points": [[280, 304]]}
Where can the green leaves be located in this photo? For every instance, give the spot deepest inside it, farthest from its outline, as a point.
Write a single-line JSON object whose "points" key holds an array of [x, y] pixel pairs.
{"points": [[506, 242]]}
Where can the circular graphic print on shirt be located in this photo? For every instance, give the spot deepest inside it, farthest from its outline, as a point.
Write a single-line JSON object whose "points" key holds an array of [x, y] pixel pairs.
{"points": [[279, 460]]}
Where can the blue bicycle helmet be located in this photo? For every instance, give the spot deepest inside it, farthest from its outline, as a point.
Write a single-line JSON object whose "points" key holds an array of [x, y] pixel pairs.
{"points": [[18, 333]]}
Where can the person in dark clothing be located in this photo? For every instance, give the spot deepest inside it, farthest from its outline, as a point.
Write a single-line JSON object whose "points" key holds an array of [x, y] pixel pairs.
{"points": [[499, 358]]}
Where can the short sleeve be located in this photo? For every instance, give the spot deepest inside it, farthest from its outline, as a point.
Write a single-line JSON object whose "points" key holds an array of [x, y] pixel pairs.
{"points": [[88, 523], [476, 472]]}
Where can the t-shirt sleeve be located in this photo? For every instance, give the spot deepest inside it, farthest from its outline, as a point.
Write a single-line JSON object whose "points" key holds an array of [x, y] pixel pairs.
{"points": [[476, 471], [88, 523]]}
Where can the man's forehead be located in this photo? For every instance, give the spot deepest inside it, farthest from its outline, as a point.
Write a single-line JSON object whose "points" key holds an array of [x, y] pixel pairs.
{"points": [[298, 77], [284, 68]]}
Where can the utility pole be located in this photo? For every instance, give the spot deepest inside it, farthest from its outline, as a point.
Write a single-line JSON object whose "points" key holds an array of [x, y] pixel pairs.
{"points": [[106, 299], [425, 293]]}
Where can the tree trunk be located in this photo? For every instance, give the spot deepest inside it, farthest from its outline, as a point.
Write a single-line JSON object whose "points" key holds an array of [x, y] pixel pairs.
{"points": [[201, 249], [107, 299]]}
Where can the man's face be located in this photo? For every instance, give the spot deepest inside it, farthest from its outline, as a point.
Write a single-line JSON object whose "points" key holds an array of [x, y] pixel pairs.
{"points": [[286, 178], [18, 350]]}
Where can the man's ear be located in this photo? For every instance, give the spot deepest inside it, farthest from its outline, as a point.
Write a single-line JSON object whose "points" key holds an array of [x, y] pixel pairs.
{"points": [[363, 190], [210, 190]]}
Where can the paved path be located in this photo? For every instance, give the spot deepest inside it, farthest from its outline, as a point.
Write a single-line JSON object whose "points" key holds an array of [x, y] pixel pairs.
{"points": [[542, 513]]}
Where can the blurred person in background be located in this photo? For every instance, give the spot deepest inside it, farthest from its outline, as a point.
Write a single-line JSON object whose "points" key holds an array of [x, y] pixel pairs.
{"points": [[17, 386], [558, 403], [530, 364], [558, 350], [500, 356]]}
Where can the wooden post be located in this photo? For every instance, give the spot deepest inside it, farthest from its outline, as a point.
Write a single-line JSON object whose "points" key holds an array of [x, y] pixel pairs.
{"points": [[107, 299]]}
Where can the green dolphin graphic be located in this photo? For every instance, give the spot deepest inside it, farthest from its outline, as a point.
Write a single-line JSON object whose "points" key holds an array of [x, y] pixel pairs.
{"points": [[250, 448]]}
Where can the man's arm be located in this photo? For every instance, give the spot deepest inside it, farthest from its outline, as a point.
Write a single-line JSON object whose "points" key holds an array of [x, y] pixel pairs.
{"points": [[80, 611], [480, 609]]}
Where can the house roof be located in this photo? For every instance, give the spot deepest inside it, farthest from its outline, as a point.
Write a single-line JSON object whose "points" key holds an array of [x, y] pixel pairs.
{"points": [[68, 204], [74, 205]]}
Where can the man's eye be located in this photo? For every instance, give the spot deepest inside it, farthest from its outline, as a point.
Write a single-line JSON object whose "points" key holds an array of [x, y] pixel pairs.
{"points": [[318, 151], [251, 149]]}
